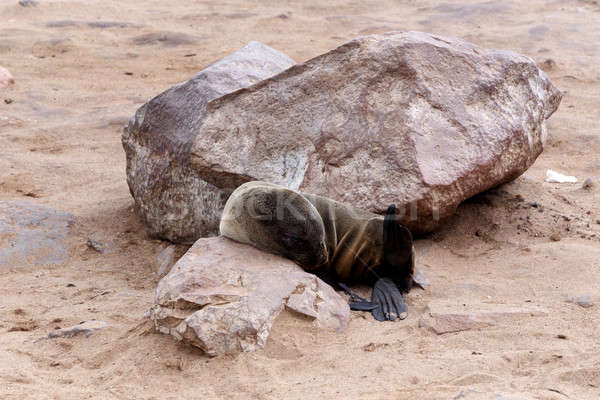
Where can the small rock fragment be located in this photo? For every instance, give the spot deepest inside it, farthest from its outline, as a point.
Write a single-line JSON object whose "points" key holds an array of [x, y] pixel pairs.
{"points": [[420, 278], [6, 78], [583, 300], [28, 3], [588, 183], [548, 64], [557, 177], [8, 101], [165, 260], [86, 328], [97, 242], [555, 237]]}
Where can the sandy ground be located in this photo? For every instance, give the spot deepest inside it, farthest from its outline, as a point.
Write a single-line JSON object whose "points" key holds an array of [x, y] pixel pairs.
{"points": [[78, 80]]}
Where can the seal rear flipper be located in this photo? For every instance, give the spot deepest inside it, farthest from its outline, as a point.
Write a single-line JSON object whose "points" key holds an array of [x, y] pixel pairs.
{"points": [[391, 303]]}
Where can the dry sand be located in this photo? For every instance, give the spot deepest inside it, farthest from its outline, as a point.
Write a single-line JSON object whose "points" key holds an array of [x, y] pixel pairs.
{"points": [[79, 80]]}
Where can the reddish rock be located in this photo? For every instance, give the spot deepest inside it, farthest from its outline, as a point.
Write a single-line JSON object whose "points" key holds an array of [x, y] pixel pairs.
{"points": [[415, 119], [223, 297], [174, 202]]}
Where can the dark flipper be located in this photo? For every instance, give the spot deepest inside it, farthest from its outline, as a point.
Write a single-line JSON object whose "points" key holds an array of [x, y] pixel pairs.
{"points": [[386, 303], [356, 302], [388, 296]]}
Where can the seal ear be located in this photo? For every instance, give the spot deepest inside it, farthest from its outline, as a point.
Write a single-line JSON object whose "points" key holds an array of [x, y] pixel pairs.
{"points": [[398, 249]]}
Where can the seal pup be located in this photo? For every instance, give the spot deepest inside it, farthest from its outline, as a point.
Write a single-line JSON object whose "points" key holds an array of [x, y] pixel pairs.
{"points": [[339, 243]]}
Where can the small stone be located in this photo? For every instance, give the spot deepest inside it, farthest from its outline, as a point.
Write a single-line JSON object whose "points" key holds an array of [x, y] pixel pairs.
{"points": [[588, 183], [583, 300], [86, 328], [555, 237], [99, 243], [420, 278], [561, 336], [165, 260], [8, 101], [6, 78], [28, 3], [70, 285], [548, 64]]}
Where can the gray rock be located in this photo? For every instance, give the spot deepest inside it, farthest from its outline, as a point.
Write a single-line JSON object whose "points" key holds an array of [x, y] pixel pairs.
{"points": [[31, 234], [588, 183], [418, 120], [583, 300], [223, 297], [86, 328], [99, 242], [175, 203], [165, 260], [166, 39], [442, 318], [421, 278], [28, 3]]}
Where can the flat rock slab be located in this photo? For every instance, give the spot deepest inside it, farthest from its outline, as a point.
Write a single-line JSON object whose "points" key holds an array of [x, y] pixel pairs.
{"points": [[31, 234], [410, 118], [223, 297], [442, 319]]}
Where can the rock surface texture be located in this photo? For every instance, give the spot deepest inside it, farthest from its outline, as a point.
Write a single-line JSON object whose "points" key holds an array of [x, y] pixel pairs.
{"points": [[223, 297], [174, 201], [31, 234], [415, 119]]}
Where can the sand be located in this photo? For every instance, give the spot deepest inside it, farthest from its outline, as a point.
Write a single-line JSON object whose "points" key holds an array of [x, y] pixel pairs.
{"points": [[82, 69]]}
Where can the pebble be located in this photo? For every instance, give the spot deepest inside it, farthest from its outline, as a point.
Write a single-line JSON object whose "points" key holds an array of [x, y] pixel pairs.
{"points": [[588, 183], [86, 328], [28, 3], [97, 242], [6, 77], [583, 300]]}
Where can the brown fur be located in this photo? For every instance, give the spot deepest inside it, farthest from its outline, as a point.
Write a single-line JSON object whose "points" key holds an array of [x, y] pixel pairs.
{"points": [[314, 231]]}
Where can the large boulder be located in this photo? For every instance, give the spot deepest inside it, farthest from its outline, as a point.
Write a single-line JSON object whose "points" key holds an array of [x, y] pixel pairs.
{"points": [[415, 119], [32, 234], [174, 202], [223, 297]]}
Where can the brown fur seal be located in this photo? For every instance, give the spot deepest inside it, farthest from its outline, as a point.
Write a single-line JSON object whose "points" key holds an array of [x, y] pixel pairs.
{"points": [[339, 242]]}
